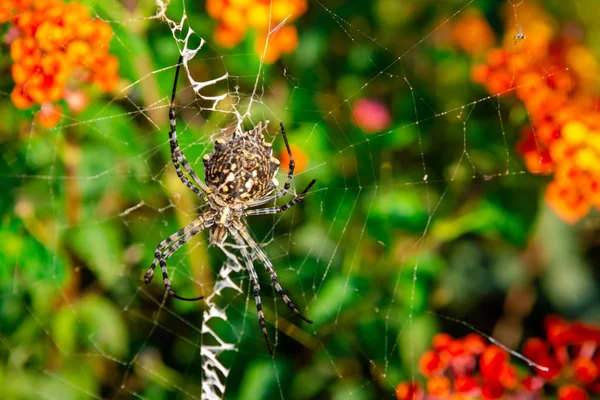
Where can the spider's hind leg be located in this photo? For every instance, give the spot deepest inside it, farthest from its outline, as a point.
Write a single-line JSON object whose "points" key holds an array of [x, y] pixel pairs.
{"points": [[167, 283], [255, 288], [168, 247], [271, 270]]}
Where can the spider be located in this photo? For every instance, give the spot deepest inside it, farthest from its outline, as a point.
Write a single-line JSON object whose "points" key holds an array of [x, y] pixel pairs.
{"points": [[240, 174], [519, 35]]}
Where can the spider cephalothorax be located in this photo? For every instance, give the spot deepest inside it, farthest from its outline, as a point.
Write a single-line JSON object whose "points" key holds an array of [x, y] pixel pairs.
{"points": [[239, 174]]}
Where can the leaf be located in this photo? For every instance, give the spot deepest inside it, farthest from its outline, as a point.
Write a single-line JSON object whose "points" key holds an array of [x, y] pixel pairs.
{"points": [[259, 381], [64, 330], [337, 293], [100, 247], [415, 338], [104, 325]]}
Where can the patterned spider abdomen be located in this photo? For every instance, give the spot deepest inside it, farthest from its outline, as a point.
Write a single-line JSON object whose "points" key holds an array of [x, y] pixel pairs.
{"points": [[242, 168]]}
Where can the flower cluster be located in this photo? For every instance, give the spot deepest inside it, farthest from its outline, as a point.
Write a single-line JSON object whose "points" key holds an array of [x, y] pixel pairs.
{"points": [[554, 75], [571, 352], [470, 368], [462, 368], [235, 17], [51, 41]]}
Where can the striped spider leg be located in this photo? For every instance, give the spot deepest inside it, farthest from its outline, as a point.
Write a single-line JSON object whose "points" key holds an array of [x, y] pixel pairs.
{"points": [[168, 247]]}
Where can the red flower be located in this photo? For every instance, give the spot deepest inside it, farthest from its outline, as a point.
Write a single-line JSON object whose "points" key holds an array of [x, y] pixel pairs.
{"points": [[431, 364], [492, 362], [409, 391], [438, 386], [585, 370], [466, 385], [471, 368], [572, 392], [441, 341], [492, 390]]}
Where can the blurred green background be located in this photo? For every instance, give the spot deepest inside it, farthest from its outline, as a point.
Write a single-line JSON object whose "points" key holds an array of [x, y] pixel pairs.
{"points": [[374, 254]]}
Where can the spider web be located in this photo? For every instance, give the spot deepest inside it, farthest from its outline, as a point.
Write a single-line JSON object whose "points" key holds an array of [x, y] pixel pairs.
{"points": [[324, 239]]}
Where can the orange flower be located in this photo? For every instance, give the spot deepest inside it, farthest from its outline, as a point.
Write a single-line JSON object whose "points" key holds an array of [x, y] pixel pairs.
{"points": [[572, 392], [235, 17], [566, 201], [19, 99], [258, 17], [431, 364], [215, 8], [467, 385], [409, 391], [492, 362], [564, 137], [474, 343], [286, 39], [585, 370], [49, 115], [268, 54], [53, 40], [470, 368], [438, 386], [441, 341], [300, 158], [472, 33]]}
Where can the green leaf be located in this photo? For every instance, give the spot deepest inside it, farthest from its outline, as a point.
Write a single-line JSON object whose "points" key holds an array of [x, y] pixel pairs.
{"points": [[104, 325], [259, 381], [337, 293], [416, 338], [100, 247], [64, 330]]}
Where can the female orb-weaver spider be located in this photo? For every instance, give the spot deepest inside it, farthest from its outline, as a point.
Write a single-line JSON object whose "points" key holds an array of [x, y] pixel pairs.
{"points": [[240, 174]]}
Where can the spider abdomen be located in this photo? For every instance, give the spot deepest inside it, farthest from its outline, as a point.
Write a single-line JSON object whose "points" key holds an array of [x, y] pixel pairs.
{"points": [[242, 168]]}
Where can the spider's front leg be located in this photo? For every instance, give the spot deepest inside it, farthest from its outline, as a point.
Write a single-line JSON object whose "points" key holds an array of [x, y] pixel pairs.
{"points": [[168, 247], [177, 156], [275, 210]]}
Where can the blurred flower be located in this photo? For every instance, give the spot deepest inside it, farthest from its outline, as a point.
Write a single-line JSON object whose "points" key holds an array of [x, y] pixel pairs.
{"points": [[470, 368], [49, 41], [49, 115], [284, 40], [554, 76], [300, 158], [409, 391], [370, 115], [472, 33], [571, 352], [235, 17]]}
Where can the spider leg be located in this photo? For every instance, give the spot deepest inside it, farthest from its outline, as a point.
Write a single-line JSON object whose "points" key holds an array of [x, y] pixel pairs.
{"points": [[269, 266], [275, 210], [177, 155], [167, 282], [288, 180], [256, 287], [167, 243], [170, 245]]}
